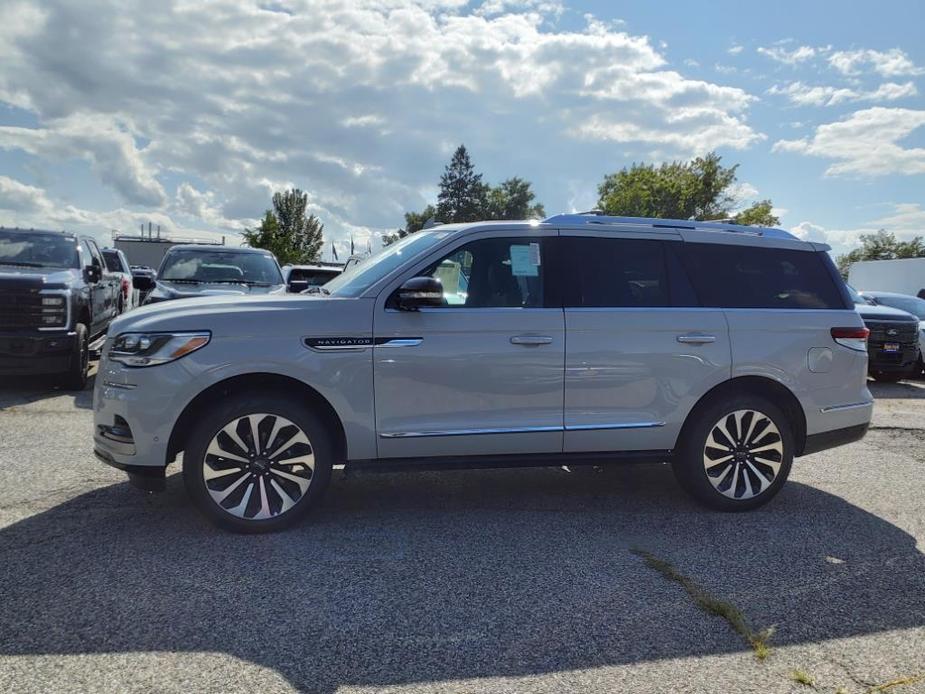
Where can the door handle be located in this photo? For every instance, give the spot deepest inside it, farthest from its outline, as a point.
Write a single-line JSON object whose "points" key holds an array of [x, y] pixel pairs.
{"points": [[531, 340], [696, 339]]}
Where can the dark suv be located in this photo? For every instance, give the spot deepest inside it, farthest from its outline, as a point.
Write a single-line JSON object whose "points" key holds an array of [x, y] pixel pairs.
{"points": [[56, 298], [893, 345]]}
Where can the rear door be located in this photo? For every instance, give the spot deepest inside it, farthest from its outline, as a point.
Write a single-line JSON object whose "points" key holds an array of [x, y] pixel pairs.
{"points": [[484, 374], [640, 351]]}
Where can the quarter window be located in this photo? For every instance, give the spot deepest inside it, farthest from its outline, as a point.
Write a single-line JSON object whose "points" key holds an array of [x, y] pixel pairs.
{"points": [[754, 277], [604, 272], [492, 273]]}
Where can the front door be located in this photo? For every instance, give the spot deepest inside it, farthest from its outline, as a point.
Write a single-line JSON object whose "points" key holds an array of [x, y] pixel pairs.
{"points": [[482, 375]]}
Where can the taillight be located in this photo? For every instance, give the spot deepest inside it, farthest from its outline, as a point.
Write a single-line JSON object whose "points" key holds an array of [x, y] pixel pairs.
{"points": [[852, 338], [125, 287]]}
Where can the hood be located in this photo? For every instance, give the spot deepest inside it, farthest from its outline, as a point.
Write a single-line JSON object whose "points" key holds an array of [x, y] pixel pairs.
{"points": [[37, 277], [165, 290], [232, 316], [883, 313]]}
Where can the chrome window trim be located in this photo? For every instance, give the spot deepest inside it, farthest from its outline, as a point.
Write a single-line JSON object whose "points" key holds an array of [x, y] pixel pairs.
{"points": [[849, 406], [402, 342], [518, 430], [66, 293]]}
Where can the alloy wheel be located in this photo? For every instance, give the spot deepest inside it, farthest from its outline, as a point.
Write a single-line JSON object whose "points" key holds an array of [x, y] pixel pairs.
{"points": [[258, 466], [743, 454]]}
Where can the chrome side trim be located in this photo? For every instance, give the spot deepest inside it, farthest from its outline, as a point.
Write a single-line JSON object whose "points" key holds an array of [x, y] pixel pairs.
{"points": [[465, 432], [517, 430], [120, 386], [850, 406], [401, 342], [606, 427]]}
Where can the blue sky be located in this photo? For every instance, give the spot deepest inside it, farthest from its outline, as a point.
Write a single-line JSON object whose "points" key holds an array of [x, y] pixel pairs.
{"points": [[190, 116]]}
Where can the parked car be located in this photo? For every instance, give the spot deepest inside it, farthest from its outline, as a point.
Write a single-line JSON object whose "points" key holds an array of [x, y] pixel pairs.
{"points": [[298, 278], [191, 270], [727, 351], [117, 264], [909, 304], [56, 299], [143, 276], [893, 345]]}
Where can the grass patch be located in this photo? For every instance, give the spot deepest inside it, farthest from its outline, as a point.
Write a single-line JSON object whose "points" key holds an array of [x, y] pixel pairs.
{"points": [[900, 682], [803, 678], [758, 640]]}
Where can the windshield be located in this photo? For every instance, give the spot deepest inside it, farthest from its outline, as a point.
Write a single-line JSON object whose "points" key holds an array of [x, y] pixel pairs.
{"points": [[910, 304], [354, 281], [30, 249], [219, 266]]}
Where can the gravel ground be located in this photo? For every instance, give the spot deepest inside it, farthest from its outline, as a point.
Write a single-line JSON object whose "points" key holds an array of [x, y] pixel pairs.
{"points": [[488, 581]]}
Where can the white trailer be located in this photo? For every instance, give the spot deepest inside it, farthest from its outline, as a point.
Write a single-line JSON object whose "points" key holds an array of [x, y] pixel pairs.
{"points": [[903, 276]]}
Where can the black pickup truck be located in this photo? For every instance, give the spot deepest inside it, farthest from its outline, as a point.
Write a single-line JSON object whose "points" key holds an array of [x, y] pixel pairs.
{"points": [[56, 299]]}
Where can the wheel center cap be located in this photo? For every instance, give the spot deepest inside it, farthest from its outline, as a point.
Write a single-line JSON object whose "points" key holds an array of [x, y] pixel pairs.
{"points": [[260, 465]]}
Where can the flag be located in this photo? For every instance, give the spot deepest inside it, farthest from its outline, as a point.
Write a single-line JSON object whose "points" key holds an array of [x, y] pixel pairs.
{"points": [[352, 251], [334, 250], [369, 244]]}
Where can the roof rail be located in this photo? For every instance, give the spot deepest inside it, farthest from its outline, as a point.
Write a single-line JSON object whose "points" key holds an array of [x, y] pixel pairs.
{"points": [[596, 217]]}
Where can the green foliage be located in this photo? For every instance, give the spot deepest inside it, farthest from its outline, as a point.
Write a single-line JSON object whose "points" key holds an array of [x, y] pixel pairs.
{"points": [[883, 245], [699, 189], [287, 232], [462, 197], [512, 200], [758, 215]]}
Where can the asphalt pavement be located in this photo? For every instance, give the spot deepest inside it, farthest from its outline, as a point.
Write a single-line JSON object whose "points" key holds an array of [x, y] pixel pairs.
{"points": [[469, 581]]}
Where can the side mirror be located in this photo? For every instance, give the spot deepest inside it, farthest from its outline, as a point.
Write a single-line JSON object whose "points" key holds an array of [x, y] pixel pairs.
{"points": [[142, 283], [421, 292], [92, 274]]}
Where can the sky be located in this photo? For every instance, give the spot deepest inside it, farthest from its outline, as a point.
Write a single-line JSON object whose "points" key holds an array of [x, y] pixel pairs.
{"points": [[191, 113]]}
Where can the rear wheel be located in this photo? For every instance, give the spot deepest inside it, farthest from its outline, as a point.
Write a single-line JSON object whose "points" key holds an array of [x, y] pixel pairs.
{"points": [[75, 378], [737, 453], [258, 463]]}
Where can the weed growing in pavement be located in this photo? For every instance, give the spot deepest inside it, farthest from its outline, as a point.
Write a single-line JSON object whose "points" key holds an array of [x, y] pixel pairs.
{"points": [[758, 640], [803, 678]]}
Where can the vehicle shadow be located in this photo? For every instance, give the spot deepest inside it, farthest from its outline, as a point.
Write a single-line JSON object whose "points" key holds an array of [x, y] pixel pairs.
{"points": [[904, 390], [16, 391], [435, 577]]}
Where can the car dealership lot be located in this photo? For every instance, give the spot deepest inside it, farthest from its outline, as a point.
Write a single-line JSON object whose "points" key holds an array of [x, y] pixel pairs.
{"points": [[501, 581]]}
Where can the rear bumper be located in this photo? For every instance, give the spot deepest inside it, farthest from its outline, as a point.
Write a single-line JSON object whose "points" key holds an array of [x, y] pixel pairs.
{"points": [[891, 362], [29, 355], [837, 437]]}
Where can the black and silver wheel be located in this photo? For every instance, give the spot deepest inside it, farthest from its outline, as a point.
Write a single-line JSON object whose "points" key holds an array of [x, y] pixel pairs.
{"points": [[737, 454], [257, 464]]}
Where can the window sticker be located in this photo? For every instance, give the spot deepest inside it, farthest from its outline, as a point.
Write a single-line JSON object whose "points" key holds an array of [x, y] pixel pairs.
{"points": [[523, 263], [535, 253]]}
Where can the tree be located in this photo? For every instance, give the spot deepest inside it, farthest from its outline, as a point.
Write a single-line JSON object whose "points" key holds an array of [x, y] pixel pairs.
{"points": [[758, 215], [882, 245], [511, 200], [701, 189], [462, 197], [287, 232]]}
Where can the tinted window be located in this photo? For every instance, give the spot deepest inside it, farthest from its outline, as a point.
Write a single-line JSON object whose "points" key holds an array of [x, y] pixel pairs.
{"points": [[113, 263], [615, 272], [502, 273], [219, 266], [755, 277]]}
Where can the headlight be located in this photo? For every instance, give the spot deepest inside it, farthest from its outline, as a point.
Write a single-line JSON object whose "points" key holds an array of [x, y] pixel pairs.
{"points": [[151, 349]]}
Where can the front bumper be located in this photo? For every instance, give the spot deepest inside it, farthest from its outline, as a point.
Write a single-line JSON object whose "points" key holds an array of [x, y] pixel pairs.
{"points": [[30, 354], [149, 479]]}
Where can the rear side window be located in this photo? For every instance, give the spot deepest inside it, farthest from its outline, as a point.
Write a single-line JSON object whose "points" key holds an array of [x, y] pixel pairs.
{"points": [[754, 277], [113, 264], [618, 273]]}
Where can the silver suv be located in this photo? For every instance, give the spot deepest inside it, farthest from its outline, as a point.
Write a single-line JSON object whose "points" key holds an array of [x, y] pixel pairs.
{"points": [[725, 350]]}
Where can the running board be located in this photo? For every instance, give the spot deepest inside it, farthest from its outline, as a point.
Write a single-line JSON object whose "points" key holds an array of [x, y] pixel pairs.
{"points": [[476, 462], [96, 347]]}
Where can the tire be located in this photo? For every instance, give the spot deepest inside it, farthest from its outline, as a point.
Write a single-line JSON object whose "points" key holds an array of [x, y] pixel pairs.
{"points": [[888, 376], [261, 490], [762, 461], [75, 378], [121, 307]]}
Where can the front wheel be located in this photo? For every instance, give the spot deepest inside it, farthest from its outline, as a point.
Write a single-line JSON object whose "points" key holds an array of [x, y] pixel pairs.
{"points": [[736, 453], [75, 378], [258, 463]]}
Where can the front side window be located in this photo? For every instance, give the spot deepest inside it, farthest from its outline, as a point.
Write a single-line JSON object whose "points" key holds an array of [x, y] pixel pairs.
{"points": [[113, 263], [492, 273], [730, 276], [612, 272], [32, 249]]}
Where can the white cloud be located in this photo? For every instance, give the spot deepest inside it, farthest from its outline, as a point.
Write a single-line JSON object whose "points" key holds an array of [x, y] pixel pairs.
{"points": [[891, 63], [906, 216], [808, 95], [735, 49], [866, 143], [354, 102], [791, 57]]}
